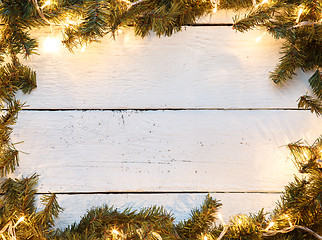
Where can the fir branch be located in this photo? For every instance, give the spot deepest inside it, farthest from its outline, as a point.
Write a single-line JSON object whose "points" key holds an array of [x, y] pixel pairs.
{"points": [[289, 62], [316, 83], [314, 105], [246, 226], [9, 157], [258, 16], [100, 222], [200, 220], [20, 194], [46, 217], [9, 160], [15, 76]]}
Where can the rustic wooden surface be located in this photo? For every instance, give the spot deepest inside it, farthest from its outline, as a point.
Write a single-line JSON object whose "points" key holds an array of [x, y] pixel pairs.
{"points": [[162, 121]]}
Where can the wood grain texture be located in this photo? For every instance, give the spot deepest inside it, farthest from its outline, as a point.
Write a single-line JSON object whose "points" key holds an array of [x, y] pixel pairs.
{"points": [[127, 151], [161, 150], [75, 206], [212, 67]]}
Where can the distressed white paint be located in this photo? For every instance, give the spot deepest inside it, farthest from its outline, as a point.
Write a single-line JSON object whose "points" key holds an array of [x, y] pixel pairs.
{"points": [[161, 150], [208, 67], [198, 67]]}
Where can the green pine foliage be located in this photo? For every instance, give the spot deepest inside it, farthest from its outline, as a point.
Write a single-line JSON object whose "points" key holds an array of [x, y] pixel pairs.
{"points": [[299, 24], [200, 221], [18, 201], [8, 154]]}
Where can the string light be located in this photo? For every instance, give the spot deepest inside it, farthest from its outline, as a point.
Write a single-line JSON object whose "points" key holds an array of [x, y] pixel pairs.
{"points": [[51, 44], [260, 37], [221, 219], [114, 231], [19, 221], [271, 224], [299, 14], [157, 235], [83, 48], [215, 4], [288, 219], [261, 3], [11, 229], [47, 3]]}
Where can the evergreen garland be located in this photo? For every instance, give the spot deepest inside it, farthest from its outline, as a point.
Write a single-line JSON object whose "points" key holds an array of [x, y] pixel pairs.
{"points": [[298, 213]]}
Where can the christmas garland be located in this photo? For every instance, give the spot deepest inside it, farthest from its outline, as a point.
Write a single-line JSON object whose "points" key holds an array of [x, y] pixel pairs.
{"points": [[298, 214]]}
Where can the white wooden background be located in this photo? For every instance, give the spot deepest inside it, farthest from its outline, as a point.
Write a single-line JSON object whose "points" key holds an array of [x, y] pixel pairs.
{"points": [[162, 121]]}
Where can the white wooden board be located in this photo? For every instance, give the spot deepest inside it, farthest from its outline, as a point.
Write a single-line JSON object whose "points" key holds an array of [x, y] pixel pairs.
{"points": [[75, 206], [161, 150], [211, 67], [224, 151]]}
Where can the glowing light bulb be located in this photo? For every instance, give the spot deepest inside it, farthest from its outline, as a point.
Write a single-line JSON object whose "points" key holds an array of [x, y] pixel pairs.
{"points": [[47, 3], [83, 48], [221, 219], [19, 221], [271, 224], [205, 238], [299, 14], [157, 235], [264, 1], [215, 4], [260, 37], [51, 44], [114, 231]]}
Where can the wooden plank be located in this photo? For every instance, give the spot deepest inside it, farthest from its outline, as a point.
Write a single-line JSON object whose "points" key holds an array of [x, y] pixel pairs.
{"points": [[75, 206], [212, 67], [94, 151]]}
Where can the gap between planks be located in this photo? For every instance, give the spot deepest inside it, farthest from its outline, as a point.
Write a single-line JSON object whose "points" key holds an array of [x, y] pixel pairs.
{"points": [[158, 109], [157, 192]]}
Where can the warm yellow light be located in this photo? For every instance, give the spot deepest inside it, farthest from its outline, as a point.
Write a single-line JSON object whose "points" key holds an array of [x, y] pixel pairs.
{"points": [[157, 235], [3, 238], [260, 37], [221, 219], [288, 219], [83, 48], [19, 221], [47, 3], [215, 4], [271, 224], [205, 238], [114, 231], [261, 3], [299, 14], [51, 44]]}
